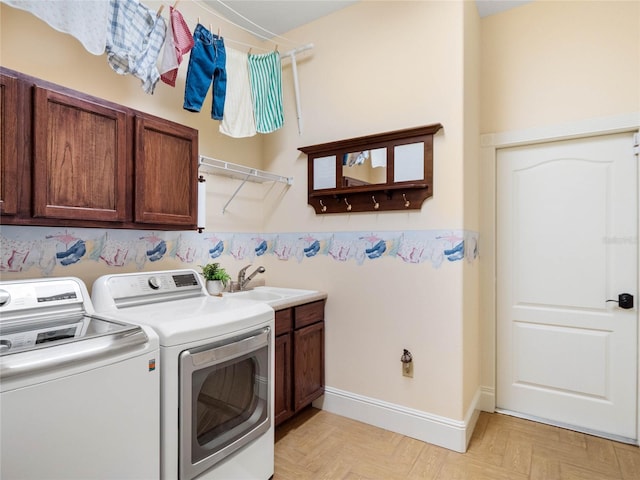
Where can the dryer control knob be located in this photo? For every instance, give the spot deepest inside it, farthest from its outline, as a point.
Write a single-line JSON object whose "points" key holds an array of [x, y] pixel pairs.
{"points": [[153, 283]]}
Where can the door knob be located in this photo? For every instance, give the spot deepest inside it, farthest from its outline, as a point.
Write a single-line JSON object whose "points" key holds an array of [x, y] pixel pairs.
{"points": [[625, 300]]}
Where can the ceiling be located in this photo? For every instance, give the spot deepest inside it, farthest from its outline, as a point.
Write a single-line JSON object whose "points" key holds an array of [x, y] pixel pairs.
{"points": [[279, 16]]}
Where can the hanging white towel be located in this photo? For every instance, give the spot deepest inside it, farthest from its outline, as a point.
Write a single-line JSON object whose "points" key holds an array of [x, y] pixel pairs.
{"points": [[86, 20], [238, 120]]}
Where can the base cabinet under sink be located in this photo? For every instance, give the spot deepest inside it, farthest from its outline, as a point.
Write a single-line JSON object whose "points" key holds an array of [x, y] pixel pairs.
{"points": [[299, 358]]}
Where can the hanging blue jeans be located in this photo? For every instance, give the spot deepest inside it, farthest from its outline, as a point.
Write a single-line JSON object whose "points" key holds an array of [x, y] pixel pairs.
{"points": [[206, 64]]}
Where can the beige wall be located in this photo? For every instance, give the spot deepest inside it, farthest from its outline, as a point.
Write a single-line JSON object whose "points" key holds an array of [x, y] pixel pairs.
{"points": [[471, 286], [548, 64], [553, 62], [376, 67]]}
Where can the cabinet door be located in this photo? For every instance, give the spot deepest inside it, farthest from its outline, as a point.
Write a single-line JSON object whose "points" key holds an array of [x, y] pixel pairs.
{"points": [[8, 145], [166, 165], [80, 158], [308, 354], [282, 382]]}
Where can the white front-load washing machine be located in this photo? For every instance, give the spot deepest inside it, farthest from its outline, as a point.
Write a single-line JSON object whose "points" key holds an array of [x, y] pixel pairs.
{"points": [[217, 372]]}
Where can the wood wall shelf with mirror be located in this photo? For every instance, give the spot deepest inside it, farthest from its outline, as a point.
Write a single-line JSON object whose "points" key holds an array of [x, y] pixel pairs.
{"points": [[374, 173]]}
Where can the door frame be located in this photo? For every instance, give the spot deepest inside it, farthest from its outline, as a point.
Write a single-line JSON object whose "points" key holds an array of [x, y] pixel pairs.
{"points": [[489, 145]]}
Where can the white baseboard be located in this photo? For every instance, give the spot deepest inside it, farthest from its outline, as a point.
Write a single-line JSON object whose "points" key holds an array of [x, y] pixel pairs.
{"points": [[442, 431], [487, 402]]}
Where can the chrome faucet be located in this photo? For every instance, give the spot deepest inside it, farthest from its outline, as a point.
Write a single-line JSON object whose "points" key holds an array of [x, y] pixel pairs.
{"points": [[243, 280]]}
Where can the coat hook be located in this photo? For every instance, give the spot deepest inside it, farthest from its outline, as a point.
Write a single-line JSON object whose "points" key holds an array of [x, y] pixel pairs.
{"points": [[323, 206], [406, 202], [376, 205], [348, 204]]}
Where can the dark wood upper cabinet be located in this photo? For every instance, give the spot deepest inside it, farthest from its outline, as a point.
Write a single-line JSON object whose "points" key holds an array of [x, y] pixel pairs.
{"points": [[166, 172], [80, 158], [72, 159], [8, 144]]}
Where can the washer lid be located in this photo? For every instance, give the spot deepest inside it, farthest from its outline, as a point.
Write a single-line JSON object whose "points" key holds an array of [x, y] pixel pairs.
{"points": [[50, 314], [191, 319], [40, 351], [53, 331]]}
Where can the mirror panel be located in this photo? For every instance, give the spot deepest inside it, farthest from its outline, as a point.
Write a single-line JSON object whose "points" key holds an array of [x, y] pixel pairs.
{"points": [[367, 167], [372, 173], [408, 162], [324, 172]]}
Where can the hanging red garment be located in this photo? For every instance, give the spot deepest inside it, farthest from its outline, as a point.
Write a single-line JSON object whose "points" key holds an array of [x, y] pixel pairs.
{"points": [[179, 43]]}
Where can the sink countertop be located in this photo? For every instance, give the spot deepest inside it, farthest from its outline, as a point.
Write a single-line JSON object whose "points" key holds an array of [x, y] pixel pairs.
{"points": [[290, 299], [299, 300]]}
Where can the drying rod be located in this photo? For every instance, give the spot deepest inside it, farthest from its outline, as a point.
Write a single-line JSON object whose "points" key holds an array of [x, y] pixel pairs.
{"points": [[296, 87]]}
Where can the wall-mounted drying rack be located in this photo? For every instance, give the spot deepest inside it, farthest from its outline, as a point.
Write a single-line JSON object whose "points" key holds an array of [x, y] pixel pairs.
{"points": [[233, 170]]}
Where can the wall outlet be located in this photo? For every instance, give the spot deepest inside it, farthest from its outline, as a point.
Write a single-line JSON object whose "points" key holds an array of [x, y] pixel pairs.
{"points": [[407, 369]]}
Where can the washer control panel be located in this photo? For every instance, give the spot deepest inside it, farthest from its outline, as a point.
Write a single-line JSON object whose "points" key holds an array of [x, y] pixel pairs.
{"points": [[39, 294], [136, 288]]}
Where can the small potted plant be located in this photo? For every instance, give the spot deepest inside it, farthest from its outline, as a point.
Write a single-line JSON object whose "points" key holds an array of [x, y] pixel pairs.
{"points": [[216, 277]]}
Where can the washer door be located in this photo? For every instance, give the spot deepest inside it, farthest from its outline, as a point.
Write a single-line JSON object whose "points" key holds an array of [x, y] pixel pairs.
{"points": [[224, 399]]}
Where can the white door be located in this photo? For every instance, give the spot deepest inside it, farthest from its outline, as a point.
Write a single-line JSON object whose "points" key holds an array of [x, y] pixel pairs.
{"points": [[567, 243]]}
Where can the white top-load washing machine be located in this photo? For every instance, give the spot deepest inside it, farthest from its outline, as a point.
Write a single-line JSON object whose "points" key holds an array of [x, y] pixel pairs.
{"points": [[217, 372], [79, 392]]}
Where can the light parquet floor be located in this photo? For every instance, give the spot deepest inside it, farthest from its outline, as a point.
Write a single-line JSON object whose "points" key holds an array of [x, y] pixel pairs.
{"points": [[318, 445]]}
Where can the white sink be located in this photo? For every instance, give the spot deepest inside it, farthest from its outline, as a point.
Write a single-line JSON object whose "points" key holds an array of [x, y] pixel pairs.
{"points": [[271, 295]]}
